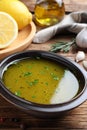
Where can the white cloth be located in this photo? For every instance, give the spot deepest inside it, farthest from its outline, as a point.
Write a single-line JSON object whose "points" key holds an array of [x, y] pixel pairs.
{"points": [[73, 22]]}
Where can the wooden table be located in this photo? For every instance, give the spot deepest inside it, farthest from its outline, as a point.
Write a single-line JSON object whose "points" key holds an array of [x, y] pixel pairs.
{"points": [[70, 5], [12, 118], [74, 120]]}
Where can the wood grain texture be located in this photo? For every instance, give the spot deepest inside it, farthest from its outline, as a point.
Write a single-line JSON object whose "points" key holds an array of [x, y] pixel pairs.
{"points": [[22, 41], [75, 119], [75, 5], [70, 5]]}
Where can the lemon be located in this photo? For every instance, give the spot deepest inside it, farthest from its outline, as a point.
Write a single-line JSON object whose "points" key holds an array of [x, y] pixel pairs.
{"points": [[18, 10], [8, 30]]}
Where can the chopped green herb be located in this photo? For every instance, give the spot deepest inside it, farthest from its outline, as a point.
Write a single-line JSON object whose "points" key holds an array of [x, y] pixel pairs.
{"points": [[30, 67], [33, 82], [27, 74], [18, 93], [46, 83], [55, 77], [46, 67], [33, 96], [52, 73]]}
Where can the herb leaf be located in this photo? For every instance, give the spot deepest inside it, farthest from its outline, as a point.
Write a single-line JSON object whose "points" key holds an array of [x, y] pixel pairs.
{"points": [[27, 74], [62, 46], [18, 93]]}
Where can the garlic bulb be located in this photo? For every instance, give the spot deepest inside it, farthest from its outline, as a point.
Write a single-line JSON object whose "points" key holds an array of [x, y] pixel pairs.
{"points": [[80, 56], [81, 38], [85, 64]]}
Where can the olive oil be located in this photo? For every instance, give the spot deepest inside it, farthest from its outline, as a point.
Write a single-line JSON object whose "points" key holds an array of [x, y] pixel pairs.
{"points": [[49, 83], [49, 12]]}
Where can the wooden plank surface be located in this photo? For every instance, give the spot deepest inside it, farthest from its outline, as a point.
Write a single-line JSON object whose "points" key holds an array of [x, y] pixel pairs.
{"points": [[75, 119], [12, 118], [75, 5], [70, 5]]}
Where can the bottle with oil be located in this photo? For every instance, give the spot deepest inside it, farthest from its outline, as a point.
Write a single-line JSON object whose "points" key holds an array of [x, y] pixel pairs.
{"points": [[49, 12]]}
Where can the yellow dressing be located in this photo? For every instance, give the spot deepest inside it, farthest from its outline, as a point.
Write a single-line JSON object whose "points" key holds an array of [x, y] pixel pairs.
{"points": [[35, 80]]}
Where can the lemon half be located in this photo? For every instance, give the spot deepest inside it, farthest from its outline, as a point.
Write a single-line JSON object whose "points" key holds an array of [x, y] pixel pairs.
{"points": [[18, 10], [8, 30]]}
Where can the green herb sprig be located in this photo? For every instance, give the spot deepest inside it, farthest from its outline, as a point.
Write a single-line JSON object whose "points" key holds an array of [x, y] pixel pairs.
{"points": [[63, 46]]}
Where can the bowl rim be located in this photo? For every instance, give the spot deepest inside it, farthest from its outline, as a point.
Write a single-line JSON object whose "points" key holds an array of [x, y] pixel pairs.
{"points": [[27, 105]]}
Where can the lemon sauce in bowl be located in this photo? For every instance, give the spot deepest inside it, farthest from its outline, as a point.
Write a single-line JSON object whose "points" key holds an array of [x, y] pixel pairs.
{"points": [[41, 81]]}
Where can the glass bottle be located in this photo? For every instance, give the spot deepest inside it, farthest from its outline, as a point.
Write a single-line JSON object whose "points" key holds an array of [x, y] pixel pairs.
{"points": [[49, 12]]}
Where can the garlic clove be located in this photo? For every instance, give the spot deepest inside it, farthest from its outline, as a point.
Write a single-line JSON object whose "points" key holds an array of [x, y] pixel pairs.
{"points": [[80, 56], [81, 38], [85, 64]]}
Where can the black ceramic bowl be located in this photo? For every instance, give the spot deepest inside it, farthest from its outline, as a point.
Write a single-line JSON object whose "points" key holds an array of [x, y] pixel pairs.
{"points": [[41, 110]]}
